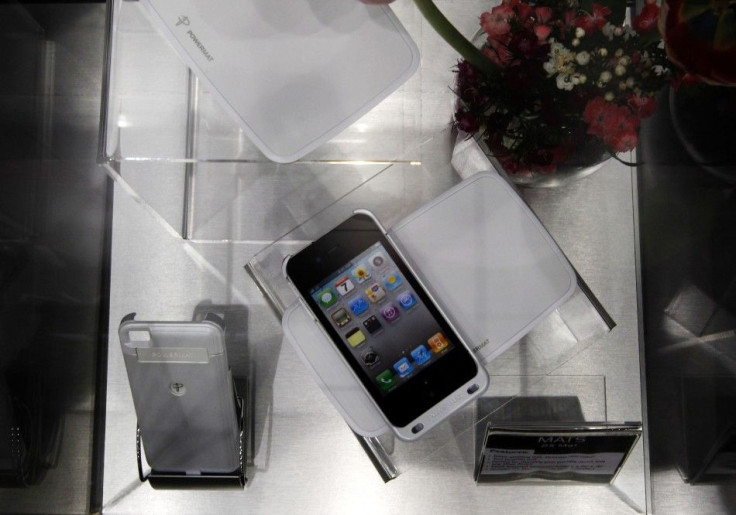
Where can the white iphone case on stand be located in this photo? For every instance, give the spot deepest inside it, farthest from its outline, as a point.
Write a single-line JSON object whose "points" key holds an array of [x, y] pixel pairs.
{"points": [[293, 73], [485, 259]]}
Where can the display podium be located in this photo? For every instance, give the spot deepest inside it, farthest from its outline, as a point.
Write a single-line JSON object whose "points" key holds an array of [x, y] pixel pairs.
{"points": [[229, 216], [557, 337]]}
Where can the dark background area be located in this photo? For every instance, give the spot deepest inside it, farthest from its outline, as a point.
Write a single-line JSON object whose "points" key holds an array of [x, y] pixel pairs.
{"points": [[54, 227]]}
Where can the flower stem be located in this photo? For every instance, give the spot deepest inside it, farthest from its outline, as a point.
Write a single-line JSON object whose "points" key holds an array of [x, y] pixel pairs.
{"points": [[627, 163], [454, 38]]}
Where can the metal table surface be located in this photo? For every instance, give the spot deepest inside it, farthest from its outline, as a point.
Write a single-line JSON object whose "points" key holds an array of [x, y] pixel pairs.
{"points": [[161, 276]]}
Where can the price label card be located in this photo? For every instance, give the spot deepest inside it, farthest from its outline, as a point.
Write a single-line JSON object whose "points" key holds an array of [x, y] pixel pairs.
{"points": [[587, 452]]}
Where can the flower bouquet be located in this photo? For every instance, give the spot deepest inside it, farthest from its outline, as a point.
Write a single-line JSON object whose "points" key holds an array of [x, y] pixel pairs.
{"points": [[555, 84]]}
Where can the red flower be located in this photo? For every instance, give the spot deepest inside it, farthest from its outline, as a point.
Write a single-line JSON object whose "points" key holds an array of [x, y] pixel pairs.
{"points": [[646, 20], [542, 32], [595, 21], [543, 14], [596, 114], [621, 134], [499, 54], [643, 106], [615, 125], [523, 10], [496, 23]]}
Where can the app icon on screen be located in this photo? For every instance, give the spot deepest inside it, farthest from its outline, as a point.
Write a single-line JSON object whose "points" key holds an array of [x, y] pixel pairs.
{"points": [[390, 313], [420, 355], [370, 357], [344, 286], [358, 305], [355, 337], [372, 325], [407, 300], [392, 280], [326, 298], [386, 380], [437, 343], [377, 260], [341, 317], [403, 367], [361, 273], [375, 292]]}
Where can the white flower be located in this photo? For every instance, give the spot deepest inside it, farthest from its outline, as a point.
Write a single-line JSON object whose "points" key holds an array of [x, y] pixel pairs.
{"points": [[605, 76], [565, 82], [582, 58], [561, 60], [607, 30], [619, 70], [579, 32]]}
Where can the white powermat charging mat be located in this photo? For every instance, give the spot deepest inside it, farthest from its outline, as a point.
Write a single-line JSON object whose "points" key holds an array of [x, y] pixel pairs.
{"points": [[293, 73], [485, 259]]}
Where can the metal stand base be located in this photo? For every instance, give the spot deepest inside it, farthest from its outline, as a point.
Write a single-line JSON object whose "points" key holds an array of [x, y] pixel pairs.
{"points": [[183, 481]]}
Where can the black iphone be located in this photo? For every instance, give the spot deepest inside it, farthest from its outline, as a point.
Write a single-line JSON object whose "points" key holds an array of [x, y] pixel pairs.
{"points": [[405, 353]]}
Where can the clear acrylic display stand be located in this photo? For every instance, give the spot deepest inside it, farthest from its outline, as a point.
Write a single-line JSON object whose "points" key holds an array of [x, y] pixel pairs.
{"points": [[160, 126], [557, 407], [392, 195]]}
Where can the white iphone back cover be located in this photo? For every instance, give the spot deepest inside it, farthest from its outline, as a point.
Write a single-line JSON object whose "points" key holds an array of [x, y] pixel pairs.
{"points": [[293, 73], [484, 257]]}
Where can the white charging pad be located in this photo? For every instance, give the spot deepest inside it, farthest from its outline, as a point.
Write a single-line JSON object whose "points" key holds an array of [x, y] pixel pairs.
{"points": [[293, 73], [485, 259]]}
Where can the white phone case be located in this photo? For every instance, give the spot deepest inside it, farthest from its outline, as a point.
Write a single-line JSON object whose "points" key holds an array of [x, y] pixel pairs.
{"points": [[292, 73], [485, 259], [183, 395]]}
